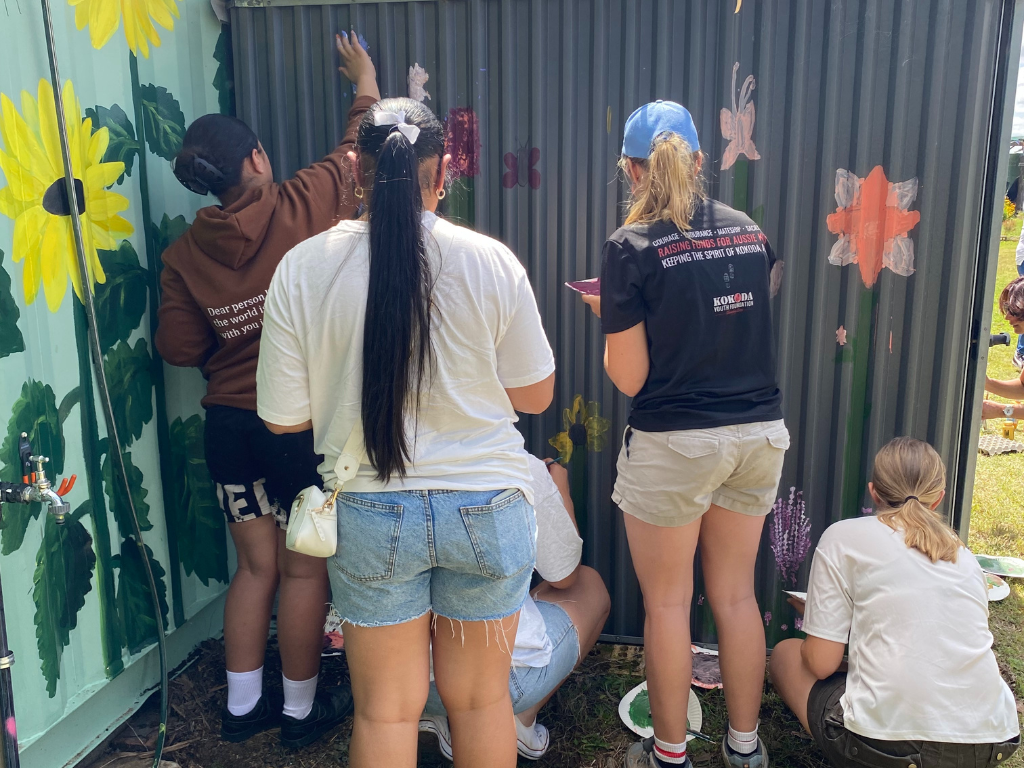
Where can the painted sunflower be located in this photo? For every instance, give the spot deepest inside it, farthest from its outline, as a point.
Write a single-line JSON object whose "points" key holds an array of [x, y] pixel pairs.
{"points": [[36, 196], [584, 427], [103, 17]]}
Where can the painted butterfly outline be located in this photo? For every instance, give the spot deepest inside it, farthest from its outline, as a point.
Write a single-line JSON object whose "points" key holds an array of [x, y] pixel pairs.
{"points": [[521, 169]]}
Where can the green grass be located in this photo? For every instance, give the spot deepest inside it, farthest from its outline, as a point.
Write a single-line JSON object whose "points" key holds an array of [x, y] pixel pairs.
{"points": [[997, 509]]}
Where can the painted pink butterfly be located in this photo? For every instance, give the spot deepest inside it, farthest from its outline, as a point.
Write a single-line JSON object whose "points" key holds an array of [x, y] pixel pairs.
{"points": [[738, 124], [520, 168]]}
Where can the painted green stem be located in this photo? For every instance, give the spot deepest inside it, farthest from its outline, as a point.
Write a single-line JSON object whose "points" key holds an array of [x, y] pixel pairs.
{"points": [[162, 429], [854, 478], [578, 493], [110, 627]]}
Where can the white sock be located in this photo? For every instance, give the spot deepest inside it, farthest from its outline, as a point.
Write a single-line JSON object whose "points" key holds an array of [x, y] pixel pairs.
{"points": [[670, 754], [244, 691], [742, 743], [298, 696]]}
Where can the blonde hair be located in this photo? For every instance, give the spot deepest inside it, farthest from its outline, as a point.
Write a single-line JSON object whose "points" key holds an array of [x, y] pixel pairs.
{"points": [[908, 479], [670, 187]]}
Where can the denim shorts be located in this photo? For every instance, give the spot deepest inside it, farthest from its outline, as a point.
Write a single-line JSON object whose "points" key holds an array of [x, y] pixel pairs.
{"points": [[529, 686], [465, 555]]}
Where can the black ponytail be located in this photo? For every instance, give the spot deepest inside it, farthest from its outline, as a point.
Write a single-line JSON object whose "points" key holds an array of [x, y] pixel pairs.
{"points": [[396, 337], [212, 154]]}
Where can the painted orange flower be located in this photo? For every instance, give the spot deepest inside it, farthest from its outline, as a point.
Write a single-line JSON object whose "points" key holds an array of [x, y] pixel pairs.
{"points": [[872, 221], [35, 195]]}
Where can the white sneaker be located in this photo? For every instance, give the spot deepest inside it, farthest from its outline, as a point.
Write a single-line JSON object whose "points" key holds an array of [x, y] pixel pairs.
{"points": [[532, 740], [438, 725], [1018, 361]]}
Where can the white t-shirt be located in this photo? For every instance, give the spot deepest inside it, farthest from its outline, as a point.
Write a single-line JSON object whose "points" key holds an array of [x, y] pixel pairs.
{"points": [[921, 661], [1020, 249], [486, 335], [559, 548]]}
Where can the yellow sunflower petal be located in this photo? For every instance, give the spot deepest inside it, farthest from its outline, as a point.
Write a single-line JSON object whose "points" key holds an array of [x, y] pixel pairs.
{"points": [[597, 433], [99, 177], [145, 31], [19, 138], [28, 234], [115, 225], [103, 19], [73, 123], [95, 267], [98, 237], [53, 257], [24, 185], [159, 11], [11, 206], [174, 8], [31, 277], [48, 127], [563, 444], [81, 13], [98, 143], [102, 205], [30, 112]]}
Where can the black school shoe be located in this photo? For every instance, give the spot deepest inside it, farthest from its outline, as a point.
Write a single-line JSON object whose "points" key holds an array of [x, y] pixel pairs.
{"points": [[263, 717], [330, 707]]}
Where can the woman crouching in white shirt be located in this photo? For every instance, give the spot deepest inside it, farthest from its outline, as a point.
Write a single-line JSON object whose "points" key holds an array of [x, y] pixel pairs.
{"points": [[428, 335], [923, 688]]}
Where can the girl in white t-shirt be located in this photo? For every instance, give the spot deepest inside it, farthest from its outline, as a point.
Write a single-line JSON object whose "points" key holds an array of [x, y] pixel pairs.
{"points": [[923, 688], [428, 335]]}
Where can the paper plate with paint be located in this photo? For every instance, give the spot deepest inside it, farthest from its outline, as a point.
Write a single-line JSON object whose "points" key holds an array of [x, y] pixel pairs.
{"points": [[1007, 567], [591, 287], [635, 711], [997, 588]]}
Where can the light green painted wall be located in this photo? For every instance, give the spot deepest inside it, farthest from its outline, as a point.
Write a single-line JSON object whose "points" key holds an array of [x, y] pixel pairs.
{"points": [[78, 616]]}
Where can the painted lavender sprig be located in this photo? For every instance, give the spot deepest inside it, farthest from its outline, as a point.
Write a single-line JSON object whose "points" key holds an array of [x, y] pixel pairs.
{"points": [[790, 534]]}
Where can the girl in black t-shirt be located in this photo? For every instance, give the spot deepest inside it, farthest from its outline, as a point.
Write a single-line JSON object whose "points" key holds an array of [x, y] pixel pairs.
{"points": [[684, 302]]}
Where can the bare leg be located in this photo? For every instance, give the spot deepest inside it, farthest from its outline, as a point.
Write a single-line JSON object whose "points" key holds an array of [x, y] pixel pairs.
{"points": [[471, 665], [792, 679], [728, 550], [663, 561], [301, 611], [250, 597], [588, 604], [390, 669]]}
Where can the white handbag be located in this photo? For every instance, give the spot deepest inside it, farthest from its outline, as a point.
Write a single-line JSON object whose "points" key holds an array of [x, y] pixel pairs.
{"points": [[313, 523]]}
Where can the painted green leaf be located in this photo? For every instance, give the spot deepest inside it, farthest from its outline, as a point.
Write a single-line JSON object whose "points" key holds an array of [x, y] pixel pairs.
{"points": [[114, 488], [640, 710], [164, 122], [11, 340], [168, 231], [224, 79], [123, 145], [134, 601], [195, 515], [35, 413], [121, 301], [62, 578], [130, 376]]}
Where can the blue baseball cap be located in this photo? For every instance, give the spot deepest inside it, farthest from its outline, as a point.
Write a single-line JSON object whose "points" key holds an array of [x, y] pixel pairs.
{"points": [[653, 119]]}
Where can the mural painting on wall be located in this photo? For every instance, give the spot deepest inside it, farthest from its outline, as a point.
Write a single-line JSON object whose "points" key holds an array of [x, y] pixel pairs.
{"points": [[104, 146], [738, 123], [873, 219], [521, 171], [462, 142], [789, 533], [418, 77], [583, 429]]}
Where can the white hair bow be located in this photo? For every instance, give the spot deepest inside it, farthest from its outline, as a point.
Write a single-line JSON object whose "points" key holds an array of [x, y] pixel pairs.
{"points": [[397, 119]]}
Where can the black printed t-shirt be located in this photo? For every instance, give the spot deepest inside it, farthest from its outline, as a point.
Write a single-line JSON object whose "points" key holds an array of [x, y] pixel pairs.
{"points": [[704, 295]]}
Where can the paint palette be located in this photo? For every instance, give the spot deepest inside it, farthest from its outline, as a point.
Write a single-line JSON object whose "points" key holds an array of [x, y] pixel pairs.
{"points": [[997, 588], [635, 712], [1007, 567], [591, 287]]}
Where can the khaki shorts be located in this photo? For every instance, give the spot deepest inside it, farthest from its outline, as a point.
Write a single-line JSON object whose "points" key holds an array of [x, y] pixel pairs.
{"points": [[672, 478]]}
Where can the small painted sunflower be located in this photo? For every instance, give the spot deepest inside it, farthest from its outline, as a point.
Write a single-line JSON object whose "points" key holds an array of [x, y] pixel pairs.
{"points": [[584, 426], [36, 196], [103, 17]]}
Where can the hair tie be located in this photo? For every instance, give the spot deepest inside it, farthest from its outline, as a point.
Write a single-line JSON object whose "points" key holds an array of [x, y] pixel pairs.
{"points": [[911, 497], [397, 119]]}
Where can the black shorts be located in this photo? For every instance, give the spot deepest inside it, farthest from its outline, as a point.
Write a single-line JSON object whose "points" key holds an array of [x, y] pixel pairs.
{"points": [[257, 472], [846, 749]]}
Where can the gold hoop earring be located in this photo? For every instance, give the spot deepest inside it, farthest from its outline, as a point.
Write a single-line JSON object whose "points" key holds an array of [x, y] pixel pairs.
{"points": [[441, 193], [358, 191]]}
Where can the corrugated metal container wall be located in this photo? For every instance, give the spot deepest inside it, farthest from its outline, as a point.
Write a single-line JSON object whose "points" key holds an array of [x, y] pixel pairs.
{"points": [[900, 92]]}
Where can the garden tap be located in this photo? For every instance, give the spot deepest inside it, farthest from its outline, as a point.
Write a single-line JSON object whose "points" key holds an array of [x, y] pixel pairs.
{"points": [[40, 490]]}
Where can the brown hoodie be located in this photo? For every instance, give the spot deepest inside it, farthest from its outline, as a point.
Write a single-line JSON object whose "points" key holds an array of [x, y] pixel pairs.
{"points": [[215, 276]]}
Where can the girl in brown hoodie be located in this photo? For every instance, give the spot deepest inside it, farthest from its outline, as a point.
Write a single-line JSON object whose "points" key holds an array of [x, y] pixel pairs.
{"points": [[214, 281]]}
